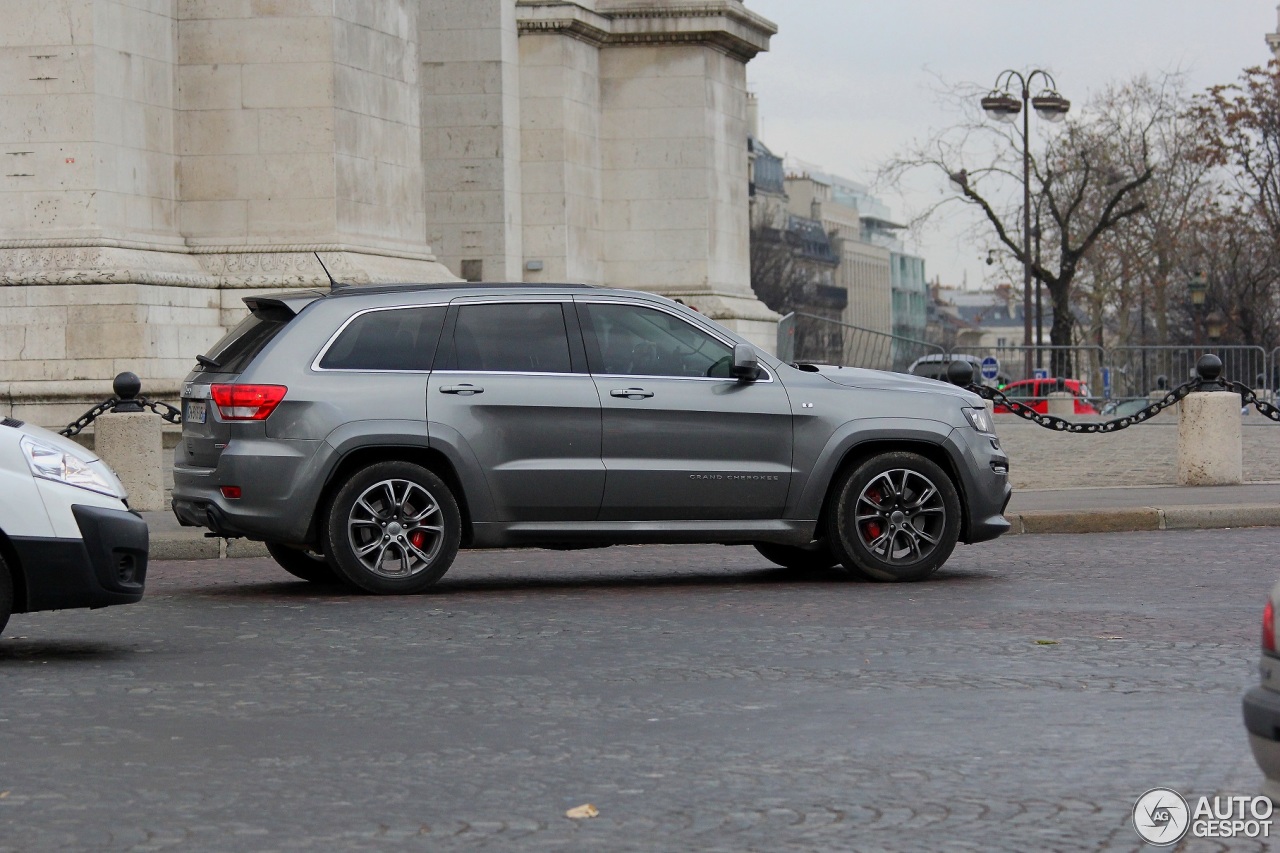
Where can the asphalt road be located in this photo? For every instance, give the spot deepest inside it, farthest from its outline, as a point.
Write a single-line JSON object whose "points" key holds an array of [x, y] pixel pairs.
{"points": [[700, 699]]}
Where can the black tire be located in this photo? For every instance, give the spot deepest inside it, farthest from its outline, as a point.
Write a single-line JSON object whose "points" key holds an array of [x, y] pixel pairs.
{"points": [[307, 565], [6, 594], [814, 559], [393, 528], [895, 517]]}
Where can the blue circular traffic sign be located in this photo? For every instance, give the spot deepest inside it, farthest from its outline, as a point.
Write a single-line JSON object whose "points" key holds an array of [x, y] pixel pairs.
{"points": [[990, 367]]}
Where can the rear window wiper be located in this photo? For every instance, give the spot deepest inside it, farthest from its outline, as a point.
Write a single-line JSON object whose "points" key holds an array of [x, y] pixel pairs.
{"points": [[205, 361]]}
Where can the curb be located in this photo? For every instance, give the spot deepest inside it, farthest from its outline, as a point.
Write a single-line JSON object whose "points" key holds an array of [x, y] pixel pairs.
{"points": [[1132, 519], [199, 548], [1029, 522]]}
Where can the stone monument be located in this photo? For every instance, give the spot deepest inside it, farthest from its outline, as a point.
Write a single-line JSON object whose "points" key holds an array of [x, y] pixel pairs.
{"points": [[162, 159]]}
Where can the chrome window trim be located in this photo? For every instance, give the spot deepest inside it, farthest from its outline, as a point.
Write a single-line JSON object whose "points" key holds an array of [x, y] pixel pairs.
{"points": [[511, 373], [324, 350], [639, 303]]}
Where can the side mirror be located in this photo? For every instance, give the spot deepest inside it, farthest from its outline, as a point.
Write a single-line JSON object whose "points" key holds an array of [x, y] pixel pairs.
{"points": [[746, 367]]}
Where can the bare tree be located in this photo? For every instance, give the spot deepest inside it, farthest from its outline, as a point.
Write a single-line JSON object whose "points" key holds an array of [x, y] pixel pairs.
{"points": [[1132, 269], [1089, 178], [1239, 132]]}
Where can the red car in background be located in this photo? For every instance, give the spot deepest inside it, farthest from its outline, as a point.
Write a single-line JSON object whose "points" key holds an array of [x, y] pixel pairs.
{"points": [[1035, 393]]}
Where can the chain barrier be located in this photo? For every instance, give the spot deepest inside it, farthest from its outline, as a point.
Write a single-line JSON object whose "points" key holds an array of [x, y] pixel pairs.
{"points": [[127, 399], [1250, 398], [88, 417], [1208, 378]]}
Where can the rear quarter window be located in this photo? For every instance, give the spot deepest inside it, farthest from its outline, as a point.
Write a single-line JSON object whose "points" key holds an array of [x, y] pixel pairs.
{"points": [[387, 339], [238, 347]]}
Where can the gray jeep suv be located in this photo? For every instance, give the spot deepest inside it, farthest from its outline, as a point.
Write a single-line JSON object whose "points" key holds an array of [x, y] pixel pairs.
{"points": [[367, 433]]}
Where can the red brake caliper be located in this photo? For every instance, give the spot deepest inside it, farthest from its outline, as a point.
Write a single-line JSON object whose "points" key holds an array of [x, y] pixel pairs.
{"points": [[873, 528], [417, 538]]}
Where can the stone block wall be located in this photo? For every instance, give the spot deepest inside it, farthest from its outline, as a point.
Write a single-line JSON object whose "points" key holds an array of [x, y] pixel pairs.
{"points": [[161, 159], [471, 136]]}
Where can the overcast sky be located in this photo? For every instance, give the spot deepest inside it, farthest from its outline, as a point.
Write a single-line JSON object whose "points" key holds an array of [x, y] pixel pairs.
{"points": [[846, 84]]}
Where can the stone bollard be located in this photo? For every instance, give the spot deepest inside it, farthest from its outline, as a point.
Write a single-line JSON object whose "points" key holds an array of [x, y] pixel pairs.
{"points": [[1209, 434], [128, 439], [1062, 404]]}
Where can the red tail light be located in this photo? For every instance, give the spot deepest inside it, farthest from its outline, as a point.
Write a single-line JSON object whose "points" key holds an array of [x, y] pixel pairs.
{"points": [[1268, 628], [247, 402]]}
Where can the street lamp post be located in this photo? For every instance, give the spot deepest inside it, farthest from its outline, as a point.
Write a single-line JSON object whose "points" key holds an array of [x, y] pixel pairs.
{"points": [[1051, 106], [1198, 287]]}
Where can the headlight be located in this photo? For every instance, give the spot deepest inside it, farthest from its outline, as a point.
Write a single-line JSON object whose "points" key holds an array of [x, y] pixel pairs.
{"points": [[980, 420], [61, 466]]}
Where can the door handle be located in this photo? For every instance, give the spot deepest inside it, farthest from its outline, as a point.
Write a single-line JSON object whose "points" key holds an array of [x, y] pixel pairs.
{"points": [[465, 389], [631, 393]]}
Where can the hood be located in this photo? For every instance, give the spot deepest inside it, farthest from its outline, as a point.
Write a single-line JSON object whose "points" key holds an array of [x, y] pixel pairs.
{"points": [[52, 439], [883, 380]]}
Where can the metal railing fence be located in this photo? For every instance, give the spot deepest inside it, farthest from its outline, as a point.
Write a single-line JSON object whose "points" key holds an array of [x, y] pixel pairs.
{"points": [[1113, 373], [808, 337]]}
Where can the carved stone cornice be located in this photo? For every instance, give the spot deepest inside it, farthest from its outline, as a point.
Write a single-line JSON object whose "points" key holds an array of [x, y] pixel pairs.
{"points": [[725, 25], [62, 262]]}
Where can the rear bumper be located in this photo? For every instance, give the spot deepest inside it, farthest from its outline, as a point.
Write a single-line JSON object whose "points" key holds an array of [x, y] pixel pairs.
{"points": [[107, 565], [275, 477], [1262, 721], [1262, 714]]}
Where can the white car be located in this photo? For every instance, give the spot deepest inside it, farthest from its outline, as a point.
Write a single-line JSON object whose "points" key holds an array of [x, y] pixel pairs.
{"points": [[67, 537]]}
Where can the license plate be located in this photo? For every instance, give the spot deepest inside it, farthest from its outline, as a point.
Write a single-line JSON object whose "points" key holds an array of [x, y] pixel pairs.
{"points": [[196, 412]]}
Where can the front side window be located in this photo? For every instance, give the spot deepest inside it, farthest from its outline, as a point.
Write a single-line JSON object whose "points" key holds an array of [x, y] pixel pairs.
{"points": [[521, 337], [632, 340], [394, 339]]}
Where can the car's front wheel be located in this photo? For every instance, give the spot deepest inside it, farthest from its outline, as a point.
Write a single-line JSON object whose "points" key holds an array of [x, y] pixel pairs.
{"points": [[307, 565], [895, 517], [393, 528], [813, 559]]}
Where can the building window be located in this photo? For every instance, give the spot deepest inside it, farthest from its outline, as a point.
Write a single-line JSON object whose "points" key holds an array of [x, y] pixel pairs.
{"points": [[473, 270]]}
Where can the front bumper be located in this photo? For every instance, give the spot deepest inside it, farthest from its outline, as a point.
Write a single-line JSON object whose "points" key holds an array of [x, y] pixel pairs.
{"points": [[106, 565], [984, 475]]}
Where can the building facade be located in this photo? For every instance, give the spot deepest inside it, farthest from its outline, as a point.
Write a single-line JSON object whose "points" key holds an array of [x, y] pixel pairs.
{"points": [[165, 158]]}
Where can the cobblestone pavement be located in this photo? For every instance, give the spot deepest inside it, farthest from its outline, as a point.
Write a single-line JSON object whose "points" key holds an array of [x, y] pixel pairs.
{"points": [[1142, 455], [701, 699]]}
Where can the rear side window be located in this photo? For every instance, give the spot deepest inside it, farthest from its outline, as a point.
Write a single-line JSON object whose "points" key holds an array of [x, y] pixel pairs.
{"points": [[521, 337], [391, 339], [238, 347]]}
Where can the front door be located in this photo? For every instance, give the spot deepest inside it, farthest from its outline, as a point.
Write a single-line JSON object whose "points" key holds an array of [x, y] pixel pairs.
{"points": [[682, 439], [510, 387]]}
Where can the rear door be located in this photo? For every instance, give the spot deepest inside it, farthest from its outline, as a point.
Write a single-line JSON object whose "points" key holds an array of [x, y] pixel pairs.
{"points": [[682, 440], [510, 387]]}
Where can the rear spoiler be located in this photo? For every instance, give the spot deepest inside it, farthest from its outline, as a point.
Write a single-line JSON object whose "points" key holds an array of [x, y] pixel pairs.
{"points": [[291, 302]]}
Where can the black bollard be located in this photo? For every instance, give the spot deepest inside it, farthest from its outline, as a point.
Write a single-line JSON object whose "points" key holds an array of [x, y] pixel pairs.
{"points": [[127, 386]]}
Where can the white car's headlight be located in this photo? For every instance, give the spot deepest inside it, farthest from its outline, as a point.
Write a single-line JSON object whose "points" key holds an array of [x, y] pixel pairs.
{"points": [[980, 419], [62, 466]]}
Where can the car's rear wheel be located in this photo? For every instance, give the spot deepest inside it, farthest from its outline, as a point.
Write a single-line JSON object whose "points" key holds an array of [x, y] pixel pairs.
{"points": [[6, 594], [816, 558], [307, 565], [394, 527], [895, 517]]}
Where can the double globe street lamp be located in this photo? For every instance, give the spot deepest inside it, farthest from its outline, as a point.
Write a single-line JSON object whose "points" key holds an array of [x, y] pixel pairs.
{"points": [[1001, 105]]}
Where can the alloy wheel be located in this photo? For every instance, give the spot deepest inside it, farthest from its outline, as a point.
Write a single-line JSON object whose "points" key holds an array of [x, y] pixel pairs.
{"points": [[900, 516], [395, 528]]}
